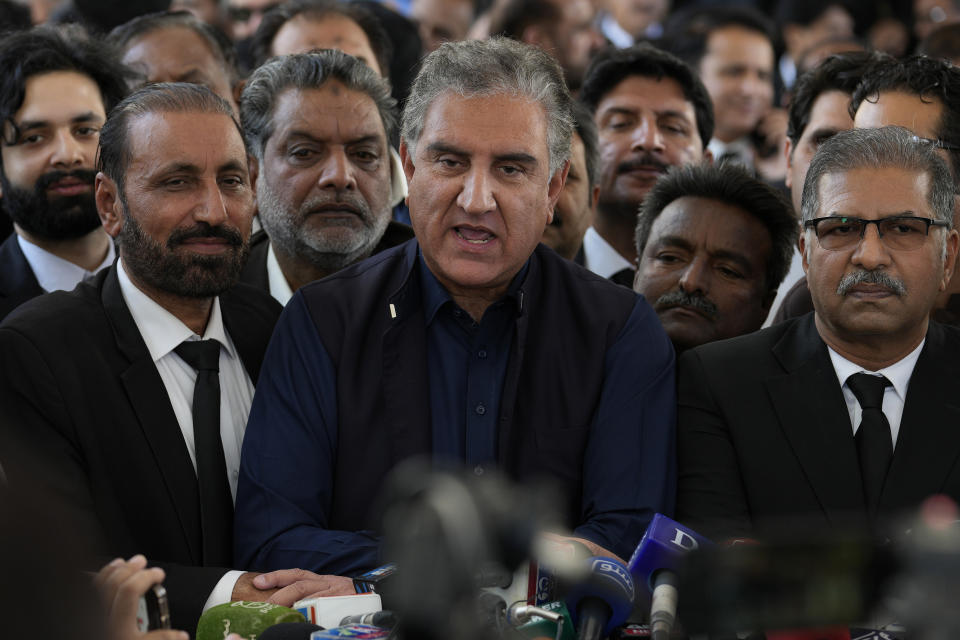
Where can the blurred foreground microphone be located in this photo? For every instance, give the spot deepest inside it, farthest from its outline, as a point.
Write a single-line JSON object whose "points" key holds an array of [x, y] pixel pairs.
{"points": [[656, 562], [248, 619], [603, 600], [385, 619], [367, 631]]}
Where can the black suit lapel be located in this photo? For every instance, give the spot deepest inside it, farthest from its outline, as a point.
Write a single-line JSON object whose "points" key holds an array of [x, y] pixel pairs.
{"points": [[813, 415], [17, 280], [405, 378], [150, 403], [929, 441]]}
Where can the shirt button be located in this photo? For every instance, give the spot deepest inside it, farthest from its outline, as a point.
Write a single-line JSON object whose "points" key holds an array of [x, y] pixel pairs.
{"points": [[480, 409], [481, 354], [478, 470]]}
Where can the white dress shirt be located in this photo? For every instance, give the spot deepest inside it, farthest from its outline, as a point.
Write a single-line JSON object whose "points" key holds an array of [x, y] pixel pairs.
{"points": [[894, 396], [163, 332], [53, 273], [742, 148], [600, 257], [793, 275], [276, 281]]}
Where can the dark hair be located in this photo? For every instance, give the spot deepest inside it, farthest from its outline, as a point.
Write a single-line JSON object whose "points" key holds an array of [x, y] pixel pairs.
{"points": [[686, 33], [40, 50], [840, 72], [216, 40], [926, 78], [13, 16], [586, 128], [733, 185], [308, 71], [114, 153], [610, 67], [804, 12], [517, 15], [316, 10], [943, 42]]}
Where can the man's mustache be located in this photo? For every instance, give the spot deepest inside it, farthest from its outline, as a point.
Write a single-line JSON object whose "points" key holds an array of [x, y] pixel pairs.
{"points": [[643, 161], [696, 301], [205, 230], [86, 176], [863, 276]]}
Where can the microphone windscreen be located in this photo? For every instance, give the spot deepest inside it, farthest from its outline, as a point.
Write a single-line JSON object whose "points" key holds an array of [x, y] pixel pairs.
{"points": [[289, 631], [248, 619], [663, 546]]}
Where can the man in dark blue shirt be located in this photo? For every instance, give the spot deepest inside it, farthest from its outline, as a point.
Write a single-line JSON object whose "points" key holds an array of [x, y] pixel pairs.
{"points": [[472, 343]]}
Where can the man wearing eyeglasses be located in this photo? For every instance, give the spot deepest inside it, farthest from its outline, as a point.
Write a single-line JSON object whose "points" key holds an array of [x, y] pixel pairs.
{"points": [[845, 417]]}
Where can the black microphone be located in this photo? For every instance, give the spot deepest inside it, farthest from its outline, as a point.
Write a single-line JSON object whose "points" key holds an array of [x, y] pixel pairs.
{"points": [[603, 600], [385, 619]]}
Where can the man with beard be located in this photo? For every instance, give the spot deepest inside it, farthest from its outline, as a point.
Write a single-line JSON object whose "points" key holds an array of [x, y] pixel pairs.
{"points": [[318, 125], [105, 383], [714, 244], [55, 92], [652, 113]]}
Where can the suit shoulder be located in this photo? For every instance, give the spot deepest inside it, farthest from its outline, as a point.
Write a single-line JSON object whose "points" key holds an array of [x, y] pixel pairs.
{"points": [[741, 349], [253, 300], [581, 281], [58, 308]]}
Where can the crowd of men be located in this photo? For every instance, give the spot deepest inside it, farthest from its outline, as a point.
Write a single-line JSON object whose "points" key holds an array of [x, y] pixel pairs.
{"points": [[261, 253]]}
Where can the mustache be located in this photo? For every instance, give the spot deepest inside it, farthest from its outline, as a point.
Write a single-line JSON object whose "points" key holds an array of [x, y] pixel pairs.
{"points": [[205, 230], [339, 200], [695, 300], [641, 161], [871, 277], [84, 175]]}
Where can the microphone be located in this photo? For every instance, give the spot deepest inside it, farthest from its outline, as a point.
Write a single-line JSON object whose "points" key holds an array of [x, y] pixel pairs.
{"points": [[328, 611], [603, 600], [289, 631], [351, 631], [384, 619], [655, 563], [248, 619], [552, 620]]}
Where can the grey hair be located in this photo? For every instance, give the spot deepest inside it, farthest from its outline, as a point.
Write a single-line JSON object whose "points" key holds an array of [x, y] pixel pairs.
{"points": [[886, 147], [493, 66], [307, 71]]}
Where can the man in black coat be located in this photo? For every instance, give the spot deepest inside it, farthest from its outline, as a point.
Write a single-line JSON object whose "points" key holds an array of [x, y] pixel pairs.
{"points": [[99, 383], [847, 416]]}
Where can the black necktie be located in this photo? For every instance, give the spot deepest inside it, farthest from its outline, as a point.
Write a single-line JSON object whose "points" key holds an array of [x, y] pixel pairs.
{"points": [[874, 441], [624, 277], [216, 505]]}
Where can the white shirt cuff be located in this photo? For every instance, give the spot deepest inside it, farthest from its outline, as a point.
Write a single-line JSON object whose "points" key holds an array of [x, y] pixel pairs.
{"points": [[224, 589]]}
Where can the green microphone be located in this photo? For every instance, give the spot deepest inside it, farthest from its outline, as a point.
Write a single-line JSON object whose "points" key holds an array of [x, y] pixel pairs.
{"points": [[247, 619]]}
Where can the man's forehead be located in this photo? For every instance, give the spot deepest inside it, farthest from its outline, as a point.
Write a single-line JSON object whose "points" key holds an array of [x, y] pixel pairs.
{"points": [[59, 95], [316, 108], [510, 123], [663, 93], [919, 114], [157, 136]]}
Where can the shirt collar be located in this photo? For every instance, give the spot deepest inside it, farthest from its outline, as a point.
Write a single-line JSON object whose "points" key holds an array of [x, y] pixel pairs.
{"points": [[279, 287], [435, 295], [600, 256], [53, 273], [161, 330], [898, 373]]}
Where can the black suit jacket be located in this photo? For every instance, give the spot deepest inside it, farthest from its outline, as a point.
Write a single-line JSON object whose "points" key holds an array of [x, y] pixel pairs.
{"points": [[765, 438], [255, 271], [17, 282], [79, 388]]}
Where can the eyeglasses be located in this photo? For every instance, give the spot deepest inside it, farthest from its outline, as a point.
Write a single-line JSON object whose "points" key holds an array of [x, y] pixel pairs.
{"points": [[937, 144], [243, 14], [898, 233]]}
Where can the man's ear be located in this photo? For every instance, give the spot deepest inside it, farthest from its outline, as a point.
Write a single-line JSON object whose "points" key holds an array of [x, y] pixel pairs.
{"points": [[787, 152], [802, 248], [109, 207], [406, 160], [555, 187], [254, 171]]}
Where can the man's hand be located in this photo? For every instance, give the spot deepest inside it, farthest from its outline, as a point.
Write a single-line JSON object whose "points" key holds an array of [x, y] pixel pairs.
{"points": [[595, 549], [286, 586], [121, 583]]}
